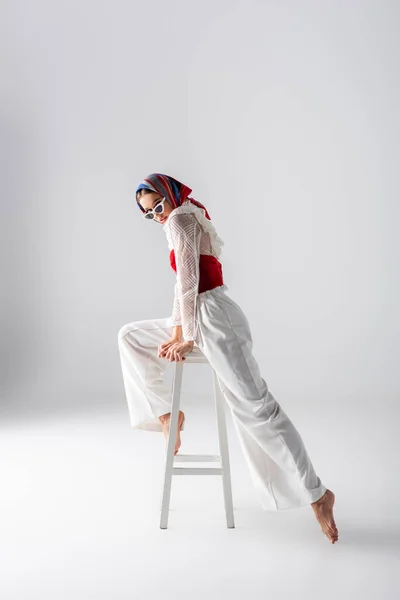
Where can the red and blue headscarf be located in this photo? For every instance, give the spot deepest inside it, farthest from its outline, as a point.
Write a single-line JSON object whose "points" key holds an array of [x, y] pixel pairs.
{"points": [[173, 190]]}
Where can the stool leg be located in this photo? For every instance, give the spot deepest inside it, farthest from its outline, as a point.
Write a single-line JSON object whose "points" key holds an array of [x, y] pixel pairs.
{"points": [[173, 429], [223, 450]]}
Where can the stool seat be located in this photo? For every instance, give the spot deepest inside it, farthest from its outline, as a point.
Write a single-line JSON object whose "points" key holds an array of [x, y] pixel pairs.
{"points": [[195, 356], [223, 468]]}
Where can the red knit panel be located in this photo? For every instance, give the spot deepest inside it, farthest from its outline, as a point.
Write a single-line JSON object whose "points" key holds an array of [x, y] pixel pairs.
{"points": [[210, 270]]}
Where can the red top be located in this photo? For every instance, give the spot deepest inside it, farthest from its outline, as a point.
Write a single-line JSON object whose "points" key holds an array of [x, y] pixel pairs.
{"points": [[210, 271]]}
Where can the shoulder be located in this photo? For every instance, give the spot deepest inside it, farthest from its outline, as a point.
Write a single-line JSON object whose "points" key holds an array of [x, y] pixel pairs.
{"points": [[180, 221]]}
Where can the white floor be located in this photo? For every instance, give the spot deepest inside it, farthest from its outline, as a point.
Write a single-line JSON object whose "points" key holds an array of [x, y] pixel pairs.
{"points": [[80, 499]]}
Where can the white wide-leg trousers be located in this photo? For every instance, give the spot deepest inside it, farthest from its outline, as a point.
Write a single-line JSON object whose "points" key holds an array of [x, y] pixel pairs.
{"points": [[281, 469]]}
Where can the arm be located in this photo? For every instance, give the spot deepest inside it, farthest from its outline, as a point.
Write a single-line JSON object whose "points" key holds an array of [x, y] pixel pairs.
{"points": [[176, 315], [177, 333], [176, 309], [185, 235]]}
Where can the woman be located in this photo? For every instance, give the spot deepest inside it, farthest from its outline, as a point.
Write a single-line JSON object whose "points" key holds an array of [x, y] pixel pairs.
{"points": [[204, 314]]}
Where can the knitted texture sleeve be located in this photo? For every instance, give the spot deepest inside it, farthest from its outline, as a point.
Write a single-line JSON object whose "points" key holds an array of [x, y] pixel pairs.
{"points": [[176, 309], [186, 235]]}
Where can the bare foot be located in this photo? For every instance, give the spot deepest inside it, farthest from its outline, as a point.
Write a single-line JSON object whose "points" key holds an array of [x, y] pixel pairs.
{"points": [[323, 509], [165, 421]]}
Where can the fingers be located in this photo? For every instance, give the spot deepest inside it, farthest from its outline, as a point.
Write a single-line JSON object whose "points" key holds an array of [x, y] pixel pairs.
{"points": [[165, 345], [174, 355], [163, 348], [170, 354], [171, 351]]}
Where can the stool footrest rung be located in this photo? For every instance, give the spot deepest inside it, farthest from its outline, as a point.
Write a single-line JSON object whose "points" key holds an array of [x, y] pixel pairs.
{"points": [[196, 470], [197, 458]]}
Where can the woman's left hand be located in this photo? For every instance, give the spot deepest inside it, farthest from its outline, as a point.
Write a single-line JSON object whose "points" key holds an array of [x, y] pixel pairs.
{"points": [[175, 351]]}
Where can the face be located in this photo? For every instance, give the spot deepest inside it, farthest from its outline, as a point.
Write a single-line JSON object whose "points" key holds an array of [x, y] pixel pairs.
{"points": [[151, 200]]}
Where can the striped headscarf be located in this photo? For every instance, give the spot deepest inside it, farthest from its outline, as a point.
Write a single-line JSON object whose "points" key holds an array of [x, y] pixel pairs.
{"points": [[173, 190]]}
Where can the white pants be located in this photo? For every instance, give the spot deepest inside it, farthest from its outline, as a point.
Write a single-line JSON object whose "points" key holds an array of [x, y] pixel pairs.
{"points": [[281, 470]]}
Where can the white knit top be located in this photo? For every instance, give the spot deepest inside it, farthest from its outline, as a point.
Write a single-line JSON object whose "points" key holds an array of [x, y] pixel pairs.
{"points": [[189, 233]]}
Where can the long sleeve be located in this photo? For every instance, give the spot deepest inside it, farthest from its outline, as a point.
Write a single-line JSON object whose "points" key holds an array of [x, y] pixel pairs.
{"points": [[176, 308], [185, 235]]}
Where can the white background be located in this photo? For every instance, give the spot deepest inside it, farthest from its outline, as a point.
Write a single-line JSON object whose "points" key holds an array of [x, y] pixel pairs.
{"points": [[283, 118]]}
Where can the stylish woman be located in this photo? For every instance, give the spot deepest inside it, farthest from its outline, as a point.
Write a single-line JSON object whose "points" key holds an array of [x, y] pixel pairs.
{"points": [[204, 314]]}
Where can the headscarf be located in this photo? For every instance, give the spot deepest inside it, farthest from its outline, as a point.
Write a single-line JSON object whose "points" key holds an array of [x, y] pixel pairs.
{"points": [[174, 191]]}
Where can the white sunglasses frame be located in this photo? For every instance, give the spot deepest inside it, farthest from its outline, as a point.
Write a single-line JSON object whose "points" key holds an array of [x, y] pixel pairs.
{"points": [[152, 210]]}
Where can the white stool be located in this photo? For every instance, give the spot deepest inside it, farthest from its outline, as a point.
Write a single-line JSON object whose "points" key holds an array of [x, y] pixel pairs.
{"points": [[196, 356]]}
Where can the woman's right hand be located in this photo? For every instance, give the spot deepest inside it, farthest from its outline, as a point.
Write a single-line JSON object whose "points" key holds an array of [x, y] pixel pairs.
{"points": [[163, 348]]}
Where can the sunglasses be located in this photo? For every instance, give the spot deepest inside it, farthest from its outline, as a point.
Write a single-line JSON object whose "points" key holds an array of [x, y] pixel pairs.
{"points": [[157, 210]]}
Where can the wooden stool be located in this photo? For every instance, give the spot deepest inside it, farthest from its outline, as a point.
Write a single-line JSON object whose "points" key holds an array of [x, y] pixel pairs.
{"points": [[223, 469]]}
